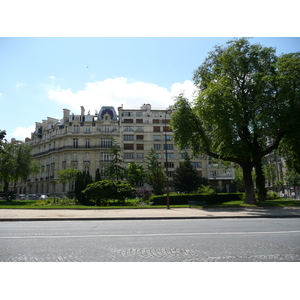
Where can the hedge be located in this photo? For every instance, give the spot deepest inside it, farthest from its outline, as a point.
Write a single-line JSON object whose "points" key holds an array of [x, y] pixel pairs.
{"points": [[183, 199]]}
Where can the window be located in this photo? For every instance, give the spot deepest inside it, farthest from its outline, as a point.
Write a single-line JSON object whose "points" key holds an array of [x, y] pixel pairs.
{"points": [[168, 137], [156, 129], [76, 128], [74, 156], [140, 146], [155, 114], [139, 121], [156, 121], [87, 143], [197, 164], [166, 129], [170, 165], [128, 155], [75, 143], [169, 147], [139, 114], [157, 138], [86, 157], [105, 157], [106, 143], [157, 146], [140, 128], [170, 155], [128, 120], [128, 128], [128, 147], [139, 137], [128, 137], [106, 128], [140, 155], [87, 128], [126, 114]]}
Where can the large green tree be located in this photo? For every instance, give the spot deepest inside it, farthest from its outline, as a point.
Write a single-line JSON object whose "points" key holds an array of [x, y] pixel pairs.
{"points": [[289, 85], [16, 163], [185, 177], [67, 176], [134, 174], [239, 114], [155, 175], [115, 169]]}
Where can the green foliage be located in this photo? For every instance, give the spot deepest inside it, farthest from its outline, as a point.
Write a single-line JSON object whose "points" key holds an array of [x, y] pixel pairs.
{"points": [[241, 112], [55, 202], [185, 177], [154, 173], [67, 176], [115, 170], [210, 199], [135, 174], [82, 180], [16, 163], [292, 178], [101, 191], [206, 189]]}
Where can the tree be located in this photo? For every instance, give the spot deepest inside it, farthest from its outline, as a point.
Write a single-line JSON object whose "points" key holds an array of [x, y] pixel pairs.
{"points": [[154, 173], [134, 174], [82, 180], [289, 84], [16, 163], [239, 113], [97, 175], [185, 177], [67, 176], [115, 170], [101, 191]]}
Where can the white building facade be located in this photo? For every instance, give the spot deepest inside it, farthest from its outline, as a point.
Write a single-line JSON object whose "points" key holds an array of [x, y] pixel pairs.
{"points": [[83, 142]]}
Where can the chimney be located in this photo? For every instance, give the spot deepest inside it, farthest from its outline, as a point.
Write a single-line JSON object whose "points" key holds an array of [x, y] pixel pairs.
{"points": [[66, 115]]}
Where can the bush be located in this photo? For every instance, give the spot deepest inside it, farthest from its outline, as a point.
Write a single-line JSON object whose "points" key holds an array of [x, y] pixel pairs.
{"points": [[55, 201], [272, 195], [144, 193], [210, 199]]}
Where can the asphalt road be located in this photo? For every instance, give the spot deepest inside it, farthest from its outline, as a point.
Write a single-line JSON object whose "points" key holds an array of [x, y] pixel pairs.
{"points": [[206, 240]]}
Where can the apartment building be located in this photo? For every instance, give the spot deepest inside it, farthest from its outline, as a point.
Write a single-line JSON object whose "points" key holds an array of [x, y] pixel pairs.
{"points": [[83, 142]]}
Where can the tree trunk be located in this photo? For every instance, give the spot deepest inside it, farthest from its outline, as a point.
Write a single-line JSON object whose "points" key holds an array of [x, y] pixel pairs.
{"points": [[260, 182], [249, 187]]}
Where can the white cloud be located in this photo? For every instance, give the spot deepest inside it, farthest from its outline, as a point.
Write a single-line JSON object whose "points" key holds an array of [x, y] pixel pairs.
{"points": [[20, 84], [118, 91], [20, 133], [52, 77], [1, 94]]}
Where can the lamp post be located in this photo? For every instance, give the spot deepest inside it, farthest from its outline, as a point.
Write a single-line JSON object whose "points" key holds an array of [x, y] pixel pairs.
{"points": [[168, 111]]}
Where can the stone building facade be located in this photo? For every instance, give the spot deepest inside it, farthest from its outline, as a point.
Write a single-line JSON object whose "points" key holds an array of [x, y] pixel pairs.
{"points": [[83, 142]]}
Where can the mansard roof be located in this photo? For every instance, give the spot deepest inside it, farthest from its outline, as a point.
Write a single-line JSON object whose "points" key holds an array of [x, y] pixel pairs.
{"points": [[107, 110]]}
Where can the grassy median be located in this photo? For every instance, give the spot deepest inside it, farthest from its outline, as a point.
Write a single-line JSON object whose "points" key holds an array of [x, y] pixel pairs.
{"points": [[35, 204]]}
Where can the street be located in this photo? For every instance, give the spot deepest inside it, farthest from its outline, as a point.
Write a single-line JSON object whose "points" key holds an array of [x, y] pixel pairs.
{"points": [[202, 240]]}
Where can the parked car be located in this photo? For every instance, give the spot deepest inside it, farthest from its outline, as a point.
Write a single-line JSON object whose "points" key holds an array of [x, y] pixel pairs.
{"points": [[22, 197], [44, 197], [32, 197]]}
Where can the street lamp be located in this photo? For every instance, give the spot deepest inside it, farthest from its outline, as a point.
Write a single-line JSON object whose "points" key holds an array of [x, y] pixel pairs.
{"points": [[168, 112]]}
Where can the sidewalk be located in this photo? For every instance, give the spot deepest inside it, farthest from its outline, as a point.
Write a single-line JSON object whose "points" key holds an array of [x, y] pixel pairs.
{"points": [[149, 213]]}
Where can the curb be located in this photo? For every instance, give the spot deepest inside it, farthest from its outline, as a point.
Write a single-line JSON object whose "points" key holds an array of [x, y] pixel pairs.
{"points": [[147, 218]]}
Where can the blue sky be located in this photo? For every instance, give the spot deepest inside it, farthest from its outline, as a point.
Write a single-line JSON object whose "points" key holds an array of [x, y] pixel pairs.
{"points": [[41, 76]]}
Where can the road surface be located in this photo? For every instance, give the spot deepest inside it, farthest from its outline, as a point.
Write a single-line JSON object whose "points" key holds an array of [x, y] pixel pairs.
{"points": [[206, 240]]}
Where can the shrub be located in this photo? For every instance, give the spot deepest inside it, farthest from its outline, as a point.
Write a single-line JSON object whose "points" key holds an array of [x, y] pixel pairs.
{"points": [[144, 193], [272, 195], [210, 199]]}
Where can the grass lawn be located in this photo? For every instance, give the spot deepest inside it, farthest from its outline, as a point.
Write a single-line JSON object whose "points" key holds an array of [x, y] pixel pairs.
{"points": [[29, 204]]}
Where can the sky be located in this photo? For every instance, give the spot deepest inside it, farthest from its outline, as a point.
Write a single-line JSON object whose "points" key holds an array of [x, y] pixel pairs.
{"points": [[42, 75]]}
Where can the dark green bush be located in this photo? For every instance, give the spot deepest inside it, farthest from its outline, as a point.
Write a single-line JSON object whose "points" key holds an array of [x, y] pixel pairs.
{"points": [[210, 199]]}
